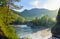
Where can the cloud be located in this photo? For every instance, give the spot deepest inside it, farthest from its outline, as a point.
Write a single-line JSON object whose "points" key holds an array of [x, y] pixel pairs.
{"points": [[52, 4], [49, 4], [35, 3]]}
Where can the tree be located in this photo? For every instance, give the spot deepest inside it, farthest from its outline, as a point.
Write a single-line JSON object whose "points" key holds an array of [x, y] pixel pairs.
{"points": [[6, 17], [19, 20], [43, 20], [47, 21], [35, 21]]}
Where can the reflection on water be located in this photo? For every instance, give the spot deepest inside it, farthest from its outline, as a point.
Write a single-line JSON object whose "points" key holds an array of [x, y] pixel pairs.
{"points": [[36, 33]]}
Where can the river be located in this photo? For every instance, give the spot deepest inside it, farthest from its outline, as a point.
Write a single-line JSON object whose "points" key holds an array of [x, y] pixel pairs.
{"points": [[25, 31]]}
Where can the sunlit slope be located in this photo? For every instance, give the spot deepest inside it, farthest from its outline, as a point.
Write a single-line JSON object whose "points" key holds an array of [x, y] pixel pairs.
{"points": [[29, 14]]}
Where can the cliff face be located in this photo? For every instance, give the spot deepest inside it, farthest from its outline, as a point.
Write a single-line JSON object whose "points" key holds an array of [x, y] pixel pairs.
{"points": [[2, 36], [56, 29], [58, 17]]}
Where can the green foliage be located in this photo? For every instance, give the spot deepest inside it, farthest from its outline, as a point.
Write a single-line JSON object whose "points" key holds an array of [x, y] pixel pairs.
{"points": [[35, 21], [10, 3], [45, 21], [35, 12], [9, 32], [21, 19], [6, 17]]}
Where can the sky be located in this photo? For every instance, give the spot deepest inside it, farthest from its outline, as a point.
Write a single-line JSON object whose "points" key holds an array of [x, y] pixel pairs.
{"points": [[46, 4]]}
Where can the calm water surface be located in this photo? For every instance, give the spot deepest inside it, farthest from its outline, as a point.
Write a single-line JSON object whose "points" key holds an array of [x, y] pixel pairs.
{"points": [[35, 33]]}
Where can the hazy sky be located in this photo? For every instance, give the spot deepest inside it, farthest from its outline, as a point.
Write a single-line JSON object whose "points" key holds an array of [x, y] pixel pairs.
{"points": [[47, 4]]}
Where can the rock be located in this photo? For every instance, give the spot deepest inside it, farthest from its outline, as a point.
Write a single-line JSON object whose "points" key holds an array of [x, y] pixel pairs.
{"points": [[58, 17], [56, 29]]}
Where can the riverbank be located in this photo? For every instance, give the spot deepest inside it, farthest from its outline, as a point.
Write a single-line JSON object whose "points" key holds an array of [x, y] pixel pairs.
{"points": [[43, 34]]}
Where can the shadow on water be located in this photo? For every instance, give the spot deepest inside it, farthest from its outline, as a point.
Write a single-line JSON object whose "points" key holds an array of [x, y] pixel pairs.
{"points": [[38, 28]]}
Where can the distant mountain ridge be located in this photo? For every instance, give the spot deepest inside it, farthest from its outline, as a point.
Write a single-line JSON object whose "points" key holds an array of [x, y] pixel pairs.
{"points": [[37, 13]]}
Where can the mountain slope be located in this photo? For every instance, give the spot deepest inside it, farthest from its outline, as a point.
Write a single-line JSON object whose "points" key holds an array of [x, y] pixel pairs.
{"points": [[29, 14], [38, 12]]}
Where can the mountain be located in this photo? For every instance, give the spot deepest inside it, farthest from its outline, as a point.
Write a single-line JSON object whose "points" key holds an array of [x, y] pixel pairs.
{"points": [[28, 14], [38, 12]]}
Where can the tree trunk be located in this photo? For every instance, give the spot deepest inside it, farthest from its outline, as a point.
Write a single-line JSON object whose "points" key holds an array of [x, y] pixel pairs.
{"points": [[2, 36]]}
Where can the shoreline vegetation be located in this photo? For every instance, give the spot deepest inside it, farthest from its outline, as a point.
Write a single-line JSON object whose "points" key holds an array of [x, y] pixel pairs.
{"points": [[44, 21]]}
